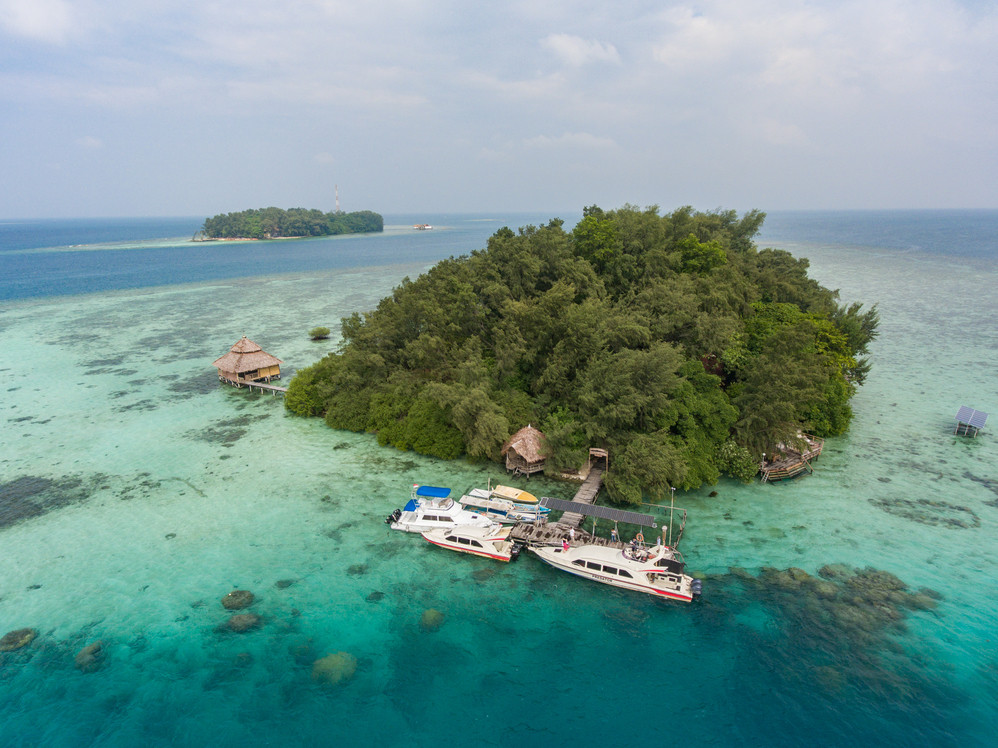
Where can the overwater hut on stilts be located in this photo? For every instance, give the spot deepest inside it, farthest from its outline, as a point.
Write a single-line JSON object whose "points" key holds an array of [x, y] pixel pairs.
{"points": [[523, 452], [247, 362]]}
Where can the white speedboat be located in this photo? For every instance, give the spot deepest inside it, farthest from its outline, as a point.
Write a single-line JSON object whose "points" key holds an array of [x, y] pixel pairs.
{"points": [[657, 571], [490, 542], [429, 508], [501, 510]]}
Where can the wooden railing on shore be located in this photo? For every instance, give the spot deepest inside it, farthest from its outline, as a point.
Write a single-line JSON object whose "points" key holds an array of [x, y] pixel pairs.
{"points": [[793, 463]]}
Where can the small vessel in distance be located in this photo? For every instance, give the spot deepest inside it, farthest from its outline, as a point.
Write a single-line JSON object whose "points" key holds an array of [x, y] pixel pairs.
{"points": [[430, 507], [422, 227], [659, 571], [491, 542], [502, 510]]}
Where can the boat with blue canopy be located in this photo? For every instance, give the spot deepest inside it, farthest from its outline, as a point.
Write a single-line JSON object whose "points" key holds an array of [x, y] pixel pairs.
{"points": [[431, 508]]}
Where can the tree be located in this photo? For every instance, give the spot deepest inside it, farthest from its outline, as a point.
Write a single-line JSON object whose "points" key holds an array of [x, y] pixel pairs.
{"points": [[296, 222], [700, 257]]}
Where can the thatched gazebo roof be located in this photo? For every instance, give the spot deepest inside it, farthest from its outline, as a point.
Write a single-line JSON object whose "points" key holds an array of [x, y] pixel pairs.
{"points": [[527, 443], [246, 355]]}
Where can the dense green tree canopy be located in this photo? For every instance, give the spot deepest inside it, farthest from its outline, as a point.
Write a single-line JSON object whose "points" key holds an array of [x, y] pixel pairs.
{"points": [[272, 223], [670, 340]]}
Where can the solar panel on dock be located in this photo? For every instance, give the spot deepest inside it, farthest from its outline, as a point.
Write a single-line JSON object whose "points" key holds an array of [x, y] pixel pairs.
{"points": [[600, 512]]}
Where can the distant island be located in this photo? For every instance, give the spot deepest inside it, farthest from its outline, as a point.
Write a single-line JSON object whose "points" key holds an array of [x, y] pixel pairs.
{"points": [[274, 223], [672, 342]]}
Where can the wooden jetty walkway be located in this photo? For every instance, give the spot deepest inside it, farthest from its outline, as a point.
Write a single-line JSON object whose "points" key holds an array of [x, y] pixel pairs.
{"points": [[586, 494], [263, 386], [568, 527], [554, 533]]}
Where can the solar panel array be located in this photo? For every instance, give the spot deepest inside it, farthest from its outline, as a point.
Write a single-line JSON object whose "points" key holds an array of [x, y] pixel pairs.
{"points": [[600, 512], [972, 417]]}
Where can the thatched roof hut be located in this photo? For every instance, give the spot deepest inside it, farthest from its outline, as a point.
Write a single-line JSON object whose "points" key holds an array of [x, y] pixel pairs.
{"points": [[523, 451], [246, 361]]}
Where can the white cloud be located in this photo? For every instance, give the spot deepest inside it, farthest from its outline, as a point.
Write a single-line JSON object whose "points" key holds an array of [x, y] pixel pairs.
{"points": [[50, 21], [322, 91], [694, 38], [781, 133], [843, 45], [580, 140], [90, 142], [576, 51], [768, 88], [527, 89]]}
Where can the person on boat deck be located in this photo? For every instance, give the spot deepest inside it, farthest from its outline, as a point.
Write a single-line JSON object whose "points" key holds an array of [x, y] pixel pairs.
{"points": [[564, 545]]}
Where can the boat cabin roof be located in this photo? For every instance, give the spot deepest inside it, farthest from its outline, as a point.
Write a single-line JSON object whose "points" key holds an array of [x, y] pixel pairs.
{"points": [[491, 532], [433, 492]]}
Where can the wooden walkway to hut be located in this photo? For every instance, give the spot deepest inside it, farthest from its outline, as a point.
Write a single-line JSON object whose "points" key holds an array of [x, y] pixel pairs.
{"points": [[553, 533], [586, 494], [262, 386]]}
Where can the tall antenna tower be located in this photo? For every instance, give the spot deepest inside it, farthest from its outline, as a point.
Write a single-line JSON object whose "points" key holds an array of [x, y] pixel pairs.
{"points": [[337, 188]]}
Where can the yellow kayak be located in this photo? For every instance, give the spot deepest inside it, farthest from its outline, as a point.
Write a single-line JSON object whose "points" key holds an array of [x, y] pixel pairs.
{"points": [[514, 494]]}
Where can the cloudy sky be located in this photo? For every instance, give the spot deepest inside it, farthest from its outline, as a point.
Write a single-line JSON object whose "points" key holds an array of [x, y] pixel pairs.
{"points": [[174, 107]]}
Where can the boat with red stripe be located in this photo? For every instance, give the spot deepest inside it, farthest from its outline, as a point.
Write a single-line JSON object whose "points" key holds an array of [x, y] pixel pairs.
{"points": [[658, 571], [490, 542]]}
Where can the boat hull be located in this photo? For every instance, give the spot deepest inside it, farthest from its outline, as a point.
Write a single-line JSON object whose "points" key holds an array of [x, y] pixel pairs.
{"points": [[475, 541], [639, 574], [473, 551], [429, 509], [421, 527], [516, 495]]}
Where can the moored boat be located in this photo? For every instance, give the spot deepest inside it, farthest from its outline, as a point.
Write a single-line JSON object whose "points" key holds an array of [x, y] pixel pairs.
{"points": [[429, 508], [491, 542], [658, 571], [502, 510], [516, 495]]}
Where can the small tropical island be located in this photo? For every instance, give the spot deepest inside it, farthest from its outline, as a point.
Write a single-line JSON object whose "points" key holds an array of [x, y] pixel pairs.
{"points": [[670, 341], [275, 223]]}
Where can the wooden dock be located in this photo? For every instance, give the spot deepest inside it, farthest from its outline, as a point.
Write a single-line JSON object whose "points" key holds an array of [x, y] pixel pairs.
{"points": [[790, 463], [553, 533], [262, 386], [586, 494]]}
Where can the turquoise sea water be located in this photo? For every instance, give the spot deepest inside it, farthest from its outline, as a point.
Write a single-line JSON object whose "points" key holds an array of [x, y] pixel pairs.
{"points": [[135, 492]]}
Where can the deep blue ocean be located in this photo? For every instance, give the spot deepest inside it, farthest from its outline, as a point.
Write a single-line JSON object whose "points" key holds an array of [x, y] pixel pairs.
{"points": [[54, 257], [852, 607]]}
